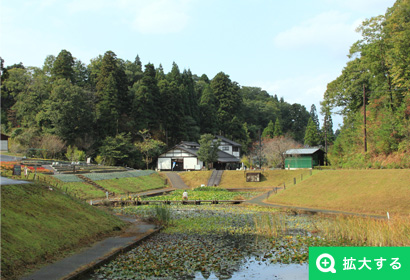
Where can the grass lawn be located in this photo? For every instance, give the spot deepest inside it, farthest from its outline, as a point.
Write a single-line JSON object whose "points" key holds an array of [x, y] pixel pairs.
{"points": [[39, 225], [195, 179], [82, 190], [134, 184], [362, 191], [270, 178]]}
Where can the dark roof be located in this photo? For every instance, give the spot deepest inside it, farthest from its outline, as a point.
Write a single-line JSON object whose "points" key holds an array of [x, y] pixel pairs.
{"points": [[190, 144], [233, 143], [305, 151], [188, 150], [225, 157], [222, 156]]}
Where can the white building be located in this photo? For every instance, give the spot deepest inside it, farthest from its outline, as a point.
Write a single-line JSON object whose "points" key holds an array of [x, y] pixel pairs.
{"points": [[184, 156]]}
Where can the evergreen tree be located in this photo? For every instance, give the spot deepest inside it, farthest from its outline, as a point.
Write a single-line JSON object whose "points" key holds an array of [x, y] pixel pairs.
{"points": [[208, 112], [312, 134], [107, 114], [63, 66], [314, 116], [147, 100], [208, 150], [269, 131], [278, 129], [228, 100]]}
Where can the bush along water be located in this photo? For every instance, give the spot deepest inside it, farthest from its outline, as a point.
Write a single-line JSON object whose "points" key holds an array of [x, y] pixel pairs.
{"points": [[215, 240]]}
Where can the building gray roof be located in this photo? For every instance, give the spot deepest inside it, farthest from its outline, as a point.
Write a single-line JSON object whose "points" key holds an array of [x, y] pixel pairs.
{"points": [[305, 151], [225, 157], [233, 143]]}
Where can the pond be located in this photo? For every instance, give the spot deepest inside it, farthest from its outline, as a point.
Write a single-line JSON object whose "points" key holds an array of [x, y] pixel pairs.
{"points": [[218, 242]]}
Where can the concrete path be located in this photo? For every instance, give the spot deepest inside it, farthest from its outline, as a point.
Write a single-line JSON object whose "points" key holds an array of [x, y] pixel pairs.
{"points": [[9, 158], [176, 181], [215, 178], [7, 181], [82, 262], [259, 200]]}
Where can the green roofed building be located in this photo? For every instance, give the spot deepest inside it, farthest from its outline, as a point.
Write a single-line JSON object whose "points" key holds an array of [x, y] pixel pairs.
{"points": [[304, 158]]}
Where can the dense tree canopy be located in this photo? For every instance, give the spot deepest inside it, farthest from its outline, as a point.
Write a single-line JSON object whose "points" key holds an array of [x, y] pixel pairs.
{"points": [[96, 106], [377, 77]]}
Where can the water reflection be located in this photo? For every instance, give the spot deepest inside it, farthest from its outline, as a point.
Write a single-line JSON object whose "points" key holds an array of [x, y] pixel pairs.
{"points": [[254, 269]]}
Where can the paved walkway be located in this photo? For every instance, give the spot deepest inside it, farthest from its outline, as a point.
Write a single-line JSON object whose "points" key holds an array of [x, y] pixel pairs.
{"points": [[81, 262], [176, 181], [259, 200], [7, 181]]}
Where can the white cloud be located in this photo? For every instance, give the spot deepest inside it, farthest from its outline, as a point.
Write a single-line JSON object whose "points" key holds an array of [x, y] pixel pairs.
{"points": [[330, 30]]}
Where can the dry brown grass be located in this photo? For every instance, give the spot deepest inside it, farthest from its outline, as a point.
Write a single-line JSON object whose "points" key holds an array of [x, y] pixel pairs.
{"points": [[271, 178], [233, 179], [195, 179], [361, 191], [372, 232]]}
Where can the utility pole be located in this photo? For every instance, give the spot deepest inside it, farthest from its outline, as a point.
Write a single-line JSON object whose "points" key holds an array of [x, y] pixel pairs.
{"points": [[325, 132], [364, 118], [325, 124], [260, 149]]}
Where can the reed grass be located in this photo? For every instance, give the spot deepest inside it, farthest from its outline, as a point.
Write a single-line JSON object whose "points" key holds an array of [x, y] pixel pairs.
{"points": [[269, 224], [163, 214], [366, 231]]}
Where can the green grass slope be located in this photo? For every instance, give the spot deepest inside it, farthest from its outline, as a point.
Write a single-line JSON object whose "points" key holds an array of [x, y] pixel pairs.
{"points": [[39, 225], [361, 191]]}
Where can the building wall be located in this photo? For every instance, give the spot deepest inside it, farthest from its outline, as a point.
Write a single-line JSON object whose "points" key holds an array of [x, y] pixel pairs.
{"points": [[298, 162], [4, 145], [164, 163], [228, 148], [192, 163]]}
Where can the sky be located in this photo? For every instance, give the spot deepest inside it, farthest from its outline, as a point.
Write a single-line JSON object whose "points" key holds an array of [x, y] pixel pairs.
{"points": [[289, 48]]}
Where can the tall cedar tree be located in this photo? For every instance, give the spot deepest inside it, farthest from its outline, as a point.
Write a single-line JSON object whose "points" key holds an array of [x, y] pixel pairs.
{"points": [[312, 134], [278, 129], [268, 132], [63, 66], [228, 100], [147, 103]]}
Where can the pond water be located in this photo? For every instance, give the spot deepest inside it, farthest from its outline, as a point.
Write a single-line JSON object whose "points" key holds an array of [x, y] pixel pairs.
{"points": [[218, 243], [263, 271]]}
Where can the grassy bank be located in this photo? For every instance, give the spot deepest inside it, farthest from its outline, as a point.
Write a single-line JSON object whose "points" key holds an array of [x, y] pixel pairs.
{"points": [[39, 225], [270, 178], [120, 186], [232, 179], [134, 184], [361, 191], [195, 179]]}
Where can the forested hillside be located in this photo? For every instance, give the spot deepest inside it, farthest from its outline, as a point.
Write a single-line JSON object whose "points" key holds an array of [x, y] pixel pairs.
{"points": [[377, 76], [67, 107]]}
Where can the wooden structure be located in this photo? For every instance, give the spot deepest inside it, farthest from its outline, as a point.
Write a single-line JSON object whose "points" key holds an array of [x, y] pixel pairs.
{"points": [[304, 158], [253, 177]]}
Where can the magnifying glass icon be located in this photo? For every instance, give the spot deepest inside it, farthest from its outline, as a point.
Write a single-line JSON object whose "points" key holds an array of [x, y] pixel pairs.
{"points": [[327, 265]]}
